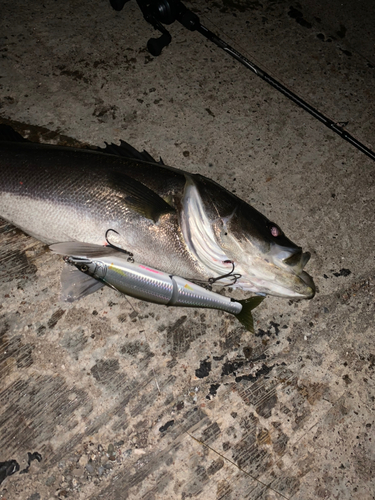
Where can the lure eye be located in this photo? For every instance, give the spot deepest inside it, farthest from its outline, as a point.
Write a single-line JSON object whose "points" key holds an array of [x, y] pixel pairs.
{"points": [[84, 269]]}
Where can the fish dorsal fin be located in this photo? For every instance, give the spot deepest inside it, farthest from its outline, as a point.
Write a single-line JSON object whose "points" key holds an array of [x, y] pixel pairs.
{"points": [[76, 284], [139, 197], [127, 151], [198, 232], [8, 134]]}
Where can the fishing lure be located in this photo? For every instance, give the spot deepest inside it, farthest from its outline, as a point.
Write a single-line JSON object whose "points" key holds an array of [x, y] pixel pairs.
{"points": [[90, 267]]}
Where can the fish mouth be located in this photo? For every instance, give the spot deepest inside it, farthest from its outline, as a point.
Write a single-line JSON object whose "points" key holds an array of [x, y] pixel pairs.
{"points": [[297, 259], [310, 285], [295, 262]]}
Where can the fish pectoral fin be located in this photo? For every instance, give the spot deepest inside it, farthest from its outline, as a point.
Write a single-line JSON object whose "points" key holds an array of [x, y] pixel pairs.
{"points": [[245, 316], [75, 284], [79, 249], [139, 197]]}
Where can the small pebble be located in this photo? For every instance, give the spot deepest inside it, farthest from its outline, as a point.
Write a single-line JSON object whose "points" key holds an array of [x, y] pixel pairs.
{"points": [[82, 461], [50, 480], [34, 496], [78, 472], [90, 468]]}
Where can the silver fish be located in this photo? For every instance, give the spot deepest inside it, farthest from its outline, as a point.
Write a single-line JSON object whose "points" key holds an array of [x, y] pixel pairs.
{"points": [[181, 223], [90, 267]]}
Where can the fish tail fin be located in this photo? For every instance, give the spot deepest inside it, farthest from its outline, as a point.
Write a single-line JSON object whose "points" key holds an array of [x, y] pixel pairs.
{"points": [[245, 316]]}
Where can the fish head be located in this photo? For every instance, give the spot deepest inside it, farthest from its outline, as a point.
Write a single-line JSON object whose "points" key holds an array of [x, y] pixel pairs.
{"points": [[267, 260]]}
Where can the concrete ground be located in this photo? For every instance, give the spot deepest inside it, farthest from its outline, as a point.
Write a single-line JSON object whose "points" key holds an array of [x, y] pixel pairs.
{"points": [[123, 399]]}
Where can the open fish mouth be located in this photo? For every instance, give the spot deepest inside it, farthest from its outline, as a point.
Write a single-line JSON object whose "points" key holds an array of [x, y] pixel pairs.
{"points": [[291, 261], [296, 263], [298, 259]]}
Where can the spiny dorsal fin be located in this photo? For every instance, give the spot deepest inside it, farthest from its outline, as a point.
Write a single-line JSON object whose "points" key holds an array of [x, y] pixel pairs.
{"points": [[8, 134], [127, 151]]}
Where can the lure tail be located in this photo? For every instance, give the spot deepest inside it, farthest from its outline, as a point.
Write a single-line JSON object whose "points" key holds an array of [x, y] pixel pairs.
{"points": [[245, 316]]}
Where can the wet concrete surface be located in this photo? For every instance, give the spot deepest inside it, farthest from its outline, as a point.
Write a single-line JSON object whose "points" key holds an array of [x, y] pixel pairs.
{"points": [[126, 399]]}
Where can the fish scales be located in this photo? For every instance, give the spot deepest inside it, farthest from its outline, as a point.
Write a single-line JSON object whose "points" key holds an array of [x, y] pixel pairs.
{"points": [[61, 194]]}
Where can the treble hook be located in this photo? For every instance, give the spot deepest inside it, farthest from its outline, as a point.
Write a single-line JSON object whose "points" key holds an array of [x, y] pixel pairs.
{"points": [[236, 276], [130, 258]]}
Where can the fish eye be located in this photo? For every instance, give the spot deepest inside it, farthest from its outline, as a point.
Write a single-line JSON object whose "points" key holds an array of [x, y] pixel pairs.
{"points": [[275, 230]]}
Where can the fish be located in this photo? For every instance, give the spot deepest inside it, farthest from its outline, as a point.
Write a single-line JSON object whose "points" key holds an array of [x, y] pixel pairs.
{"points": [[179, 222], [89, 267]]}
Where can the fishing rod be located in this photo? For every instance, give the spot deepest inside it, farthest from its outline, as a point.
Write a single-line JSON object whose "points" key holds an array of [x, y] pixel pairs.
{"points": [[160, 12]]}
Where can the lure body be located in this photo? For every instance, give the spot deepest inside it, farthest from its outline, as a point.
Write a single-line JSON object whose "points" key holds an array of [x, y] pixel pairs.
{"points": [[93, 266], [146, 283]]}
